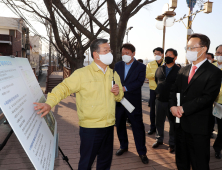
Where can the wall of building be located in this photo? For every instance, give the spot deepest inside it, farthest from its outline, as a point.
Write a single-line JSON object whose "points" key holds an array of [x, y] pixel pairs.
{"points": [[11, 23], [4, 31], [6, 49], [17, 44]]}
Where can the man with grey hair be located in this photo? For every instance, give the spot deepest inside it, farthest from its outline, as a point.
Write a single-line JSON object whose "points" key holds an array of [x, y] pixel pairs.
{"points": [[96, 97]]}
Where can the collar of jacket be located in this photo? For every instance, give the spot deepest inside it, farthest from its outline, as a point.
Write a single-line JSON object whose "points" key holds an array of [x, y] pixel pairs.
{"points": [[162, 63], [95, 68]]}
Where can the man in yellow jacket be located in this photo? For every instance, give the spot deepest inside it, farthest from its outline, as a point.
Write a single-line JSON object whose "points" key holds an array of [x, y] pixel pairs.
{"points": [[150, 74], [218, 142], [95, 101]]}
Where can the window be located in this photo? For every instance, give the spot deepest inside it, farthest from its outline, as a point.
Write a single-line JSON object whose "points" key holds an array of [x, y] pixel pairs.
{"points": [[12, 33]]}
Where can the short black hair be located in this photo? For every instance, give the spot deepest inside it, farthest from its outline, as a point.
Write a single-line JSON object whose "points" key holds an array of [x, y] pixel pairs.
{"points": [[159, 49], [218, 46], [128, 47], [204, 40], [211, 55], [94, 46], [140, 60], [174, 51]]}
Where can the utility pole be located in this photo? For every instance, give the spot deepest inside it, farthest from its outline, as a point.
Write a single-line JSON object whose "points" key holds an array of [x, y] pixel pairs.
{"points": [[50, 43], [164, 34], [27, 43]]}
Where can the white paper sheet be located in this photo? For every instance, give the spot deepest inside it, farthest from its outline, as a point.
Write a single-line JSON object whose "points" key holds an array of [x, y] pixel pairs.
{"points": [[217, 111], [127, 105], [178, 104]]}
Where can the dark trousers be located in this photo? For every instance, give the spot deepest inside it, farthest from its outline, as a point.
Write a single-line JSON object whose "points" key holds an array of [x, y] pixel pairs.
{"points": [[162, 110], [152, 110], [192, 150], [138, 129], [96, 142], [218, 142]]}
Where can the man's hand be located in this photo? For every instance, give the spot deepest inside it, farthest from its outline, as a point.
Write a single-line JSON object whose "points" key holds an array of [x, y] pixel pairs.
{"points": [[43, 107], [180, 109], [177, 111], [124, 89], [115, 89]]}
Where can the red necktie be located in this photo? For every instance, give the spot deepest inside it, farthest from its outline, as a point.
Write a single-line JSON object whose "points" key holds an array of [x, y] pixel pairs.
{"points": [[192, 73]]}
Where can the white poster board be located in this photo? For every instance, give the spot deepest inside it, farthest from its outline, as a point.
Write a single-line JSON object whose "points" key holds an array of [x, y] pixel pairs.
{"points": [[217, 110], [19, 89]]}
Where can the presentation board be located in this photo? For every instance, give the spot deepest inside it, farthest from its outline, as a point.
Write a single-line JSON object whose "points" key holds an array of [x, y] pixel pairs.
{"points": [[2, 117], [19, 89]]}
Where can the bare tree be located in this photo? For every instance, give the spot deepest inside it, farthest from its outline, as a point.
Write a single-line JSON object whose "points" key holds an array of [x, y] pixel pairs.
{"points": [[126, 10], [84, 22]]}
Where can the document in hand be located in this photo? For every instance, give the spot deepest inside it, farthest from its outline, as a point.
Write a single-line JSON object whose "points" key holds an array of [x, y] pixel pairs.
{"points": [[127, 105], [178, 104], [217, 111]]}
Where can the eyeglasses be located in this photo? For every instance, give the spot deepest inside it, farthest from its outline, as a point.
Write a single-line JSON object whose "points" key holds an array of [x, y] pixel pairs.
{"points": [[107, 51], [218, 53], [191, 48]]}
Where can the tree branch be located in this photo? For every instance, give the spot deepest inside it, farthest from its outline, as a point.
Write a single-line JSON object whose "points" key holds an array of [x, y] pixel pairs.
{"points": [[141, 6]]}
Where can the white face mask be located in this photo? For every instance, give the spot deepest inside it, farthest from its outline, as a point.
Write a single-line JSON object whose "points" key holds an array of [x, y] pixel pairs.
{"points": [[157, 57], [126, 58], [210, 61], [106, 59], [192, 55], [219, 58]]}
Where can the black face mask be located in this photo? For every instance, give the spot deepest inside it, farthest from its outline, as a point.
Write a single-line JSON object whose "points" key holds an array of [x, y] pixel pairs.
{"points": [[168, 60]]}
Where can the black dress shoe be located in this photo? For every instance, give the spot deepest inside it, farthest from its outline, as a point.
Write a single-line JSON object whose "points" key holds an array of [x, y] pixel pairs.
{"points": [[157, 144], [172, 148], [120, 151], [218, 155], [144, 159], [150, 132]]}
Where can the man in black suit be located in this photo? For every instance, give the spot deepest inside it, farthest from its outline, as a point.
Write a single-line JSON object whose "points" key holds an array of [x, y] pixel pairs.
{"points": [[132, 74], [165, 77], [198, 85]]}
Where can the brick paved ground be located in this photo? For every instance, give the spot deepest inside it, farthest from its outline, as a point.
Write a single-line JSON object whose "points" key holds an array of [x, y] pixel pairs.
{"points": [[14, 157]]}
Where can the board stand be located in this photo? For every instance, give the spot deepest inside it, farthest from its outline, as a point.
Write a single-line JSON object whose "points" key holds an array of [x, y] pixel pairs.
{"points": [[6, 140], [65, 158]]}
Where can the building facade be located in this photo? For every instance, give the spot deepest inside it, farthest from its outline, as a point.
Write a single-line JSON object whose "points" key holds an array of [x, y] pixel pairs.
{"points": [[14, 37]]}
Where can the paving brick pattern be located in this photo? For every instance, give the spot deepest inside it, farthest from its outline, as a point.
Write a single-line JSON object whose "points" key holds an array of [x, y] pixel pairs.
{"points": [[13, 157]]}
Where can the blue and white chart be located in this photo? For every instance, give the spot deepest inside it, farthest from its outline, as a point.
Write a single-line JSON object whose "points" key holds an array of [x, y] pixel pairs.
{"points": [[19, 89]]}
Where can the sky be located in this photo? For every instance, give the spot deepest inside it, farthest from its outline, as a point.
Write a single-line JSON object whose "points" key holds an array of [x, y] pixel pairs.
{"points": [[145, 36]]}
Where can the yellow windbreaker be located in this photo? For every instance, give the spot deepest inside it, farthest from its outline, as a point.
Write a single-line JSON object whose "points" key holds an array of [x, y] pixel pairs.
{"points": [[150, 73], [94, 100], [219, 97]]}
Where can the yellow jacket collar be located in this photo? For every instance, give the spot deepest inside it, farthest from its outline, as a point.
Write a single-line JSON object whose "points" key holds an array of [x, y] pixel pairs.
{"points": [[95, 67]]}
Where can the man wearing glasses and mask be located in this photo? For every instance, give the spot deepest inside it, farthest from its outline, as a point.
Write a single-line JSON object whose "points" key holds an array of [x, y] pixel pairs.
{"points": [[95, 101], [198, 84]]}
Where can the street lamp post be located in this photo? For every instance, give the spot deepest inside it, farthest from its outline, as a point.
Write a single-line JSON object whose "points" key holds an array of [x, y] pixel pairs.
{"points": [[167, 18], [191, 16], [127, 33]]}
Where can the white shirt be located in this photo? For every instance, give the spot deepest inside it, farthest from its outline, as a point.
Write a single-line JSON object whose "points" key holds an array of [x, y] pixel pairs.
{"points": [[219, 66], [197, 65], [101, 68]]}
